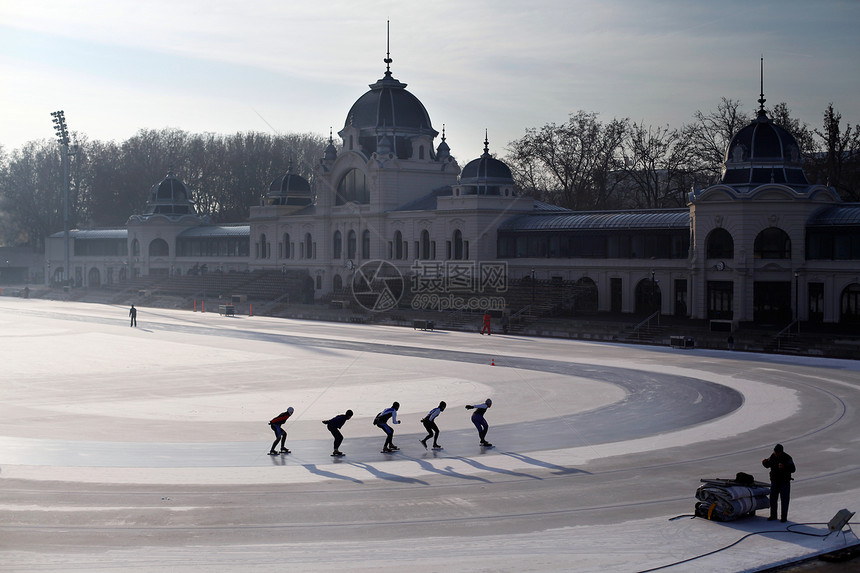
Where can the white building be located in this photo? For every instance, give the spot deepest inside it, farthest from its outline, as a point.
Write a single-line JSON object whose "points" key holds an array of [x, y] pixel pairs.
{"points": [[763, 245]]}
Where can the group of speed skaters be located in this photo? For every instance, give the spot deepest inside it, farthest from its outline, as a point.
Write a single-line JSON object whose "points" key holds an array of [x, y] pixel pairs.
{"points": [[381, 421]]}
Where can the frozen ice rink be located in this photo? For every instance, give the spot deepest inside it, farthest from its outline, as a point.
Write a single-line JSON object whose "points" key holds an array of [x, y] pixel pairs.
{"points": [[145, 449]]}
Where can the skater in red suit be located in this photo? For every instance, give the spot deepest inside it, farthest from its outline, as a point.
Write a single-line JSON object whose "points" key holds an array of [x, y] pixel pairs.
{"points": [[277, 424], [486, 327]]}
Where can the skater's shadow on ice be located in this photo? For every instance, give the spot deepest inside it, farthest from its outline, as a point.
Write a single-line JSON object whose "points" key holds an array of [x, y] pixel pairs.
{"points": [[312, 468], [559, 470], [485, 467], [448, 471], [385, 475]]}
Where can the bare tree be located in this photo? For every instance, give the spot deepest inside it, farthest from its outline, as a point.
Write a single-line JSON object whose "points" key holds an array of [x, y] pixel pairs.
{"points": [[710, 135], [781, 116], [841, 162], [32, 194], [656, 162], [569, 164]]}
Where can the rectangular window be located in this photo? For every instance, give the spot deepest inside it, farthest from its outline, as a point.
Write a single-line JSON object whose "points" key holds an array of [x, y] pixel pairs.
{"points": [[720, 294]]}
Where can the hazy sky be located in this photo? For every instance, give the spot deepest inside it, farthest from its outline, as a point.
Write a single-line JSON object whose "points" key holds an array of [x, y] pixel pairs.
{"points": [[226, 66]]}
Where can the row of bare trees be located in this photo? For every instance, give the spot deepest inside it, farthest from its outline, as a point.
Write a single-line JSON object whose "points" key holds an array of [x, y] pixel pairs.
{"points": [[111, 181], [583, 164], [587, 164]]}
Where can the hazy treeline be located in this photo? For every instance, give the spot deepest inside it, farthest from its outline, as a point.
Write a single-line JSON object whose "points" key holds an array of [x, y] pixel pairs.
{"points": [[588, 164], [227, 174], [583, 164]]}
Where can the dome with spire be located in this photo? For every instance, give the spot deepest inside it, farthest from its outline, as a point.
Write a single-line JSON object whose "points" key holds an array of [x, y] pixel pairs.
{"points": [[763, 152], [388, 117], [486, 175], [170, 196], [289, 189]]}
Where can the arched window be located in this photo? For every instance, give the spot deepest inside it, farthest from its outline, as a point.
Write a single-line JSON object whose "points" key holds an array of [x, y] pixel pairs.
{"points": [[420, 152], [135, 248], [586, 296], [365, 244], [287, 252], [336, 283], [458, 245], [720, 244], [263, 251], [159, 248], [338, 245], [648, 296], [398, 245], [352, 188], [425, 244], [772, 243], [850, 304], [309, 246], [350, 245]]}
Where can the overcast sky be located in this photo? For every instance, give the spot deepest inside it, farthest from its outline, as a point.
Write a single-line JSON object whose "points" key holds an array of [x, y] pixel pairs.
{"points": [[226, 66]]}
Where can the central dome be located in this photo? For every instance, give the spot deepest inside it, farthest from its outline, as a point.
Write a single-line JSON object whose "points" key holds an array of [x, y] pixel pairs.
{"points": [[388, 117]]}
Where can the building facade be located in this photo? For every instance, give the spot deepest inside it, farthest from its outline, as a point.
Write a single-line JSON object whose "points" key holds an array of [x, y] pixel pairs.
{"points": [[762, 245]]}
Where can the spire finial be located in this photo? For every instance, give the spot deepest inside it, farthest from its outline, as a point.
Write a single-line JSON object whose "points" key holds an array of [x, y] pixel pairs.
{"points": [[330, 135], [761, 99], [443, 132], [486, 143], [388, 59]]}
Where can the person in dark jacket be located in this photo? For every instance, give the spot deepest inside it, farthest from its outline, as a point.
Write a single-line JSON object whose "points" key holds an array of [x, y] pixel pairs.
{"points": [[781, 467], [334, 425], [479, 421], [429, 422], [132, 314], [277, 424], [381, 421]]}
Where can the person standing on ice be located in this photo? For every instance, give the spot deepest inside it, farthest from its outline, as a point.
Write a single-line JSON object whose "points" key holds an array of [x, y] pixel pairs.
{"points": [[381, 421], [480, 422], [781, 467], [277, 424], [132, 313], [334, 425], [431, 427]]}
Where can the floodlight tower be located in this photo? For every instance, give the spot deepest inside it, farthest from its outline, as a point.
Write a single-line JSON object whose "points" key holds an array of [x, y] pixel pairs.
{"points": [[63, 140]]}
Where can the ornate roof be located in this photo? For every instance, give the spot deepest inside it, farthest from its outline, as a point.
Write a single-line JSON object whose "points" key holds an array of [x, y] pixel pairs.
{"points": [[663, 219], [289, 189], [388, 116]]}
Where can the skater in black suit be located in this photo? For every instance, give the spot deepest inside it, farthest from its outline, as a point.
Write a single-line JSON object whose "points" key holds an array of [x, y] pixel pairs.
{"points": [[429, 422], [381, 421], [334, 425], [277, 424], [479, 421], [132, 313]]}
